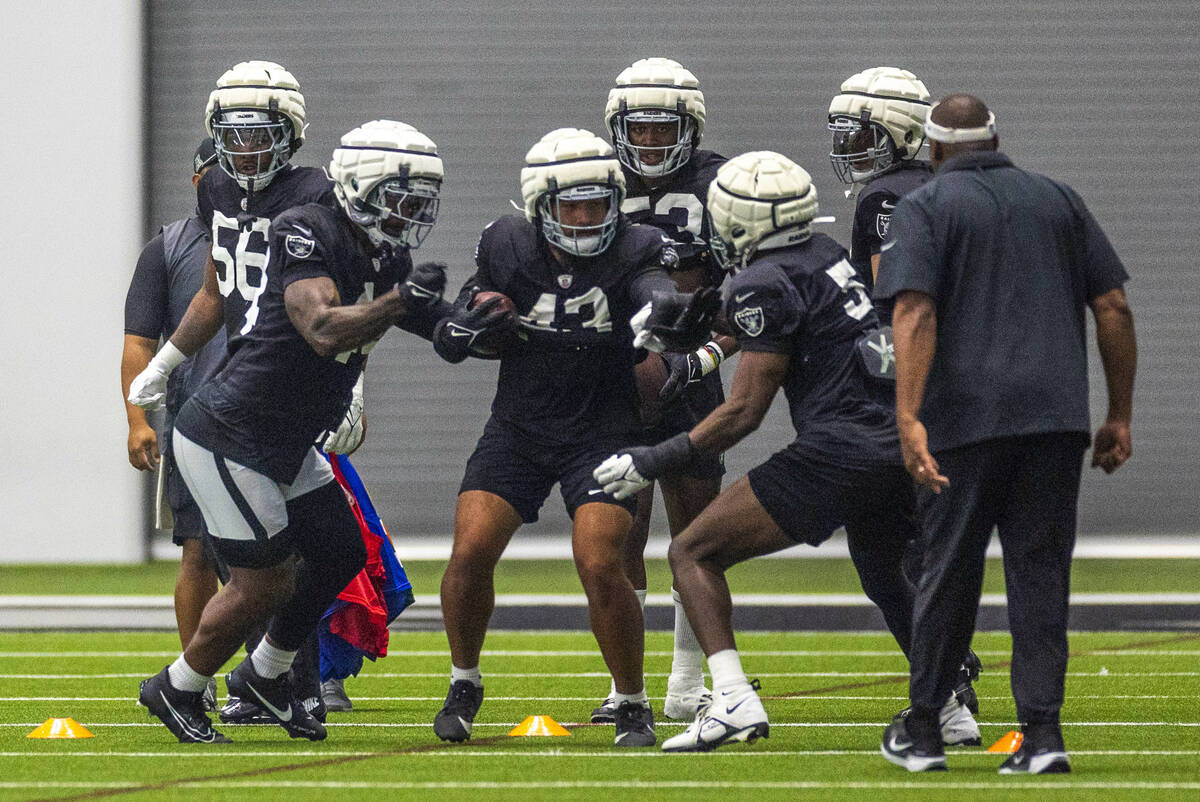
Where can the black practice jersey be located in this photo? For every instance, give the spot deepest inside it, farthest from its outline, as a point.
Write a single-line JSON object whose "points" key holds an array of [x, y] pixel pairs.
{"points": [[240, 226], [274, 396], [806, 301], [569, 378], [676, 207], [873, 214]]}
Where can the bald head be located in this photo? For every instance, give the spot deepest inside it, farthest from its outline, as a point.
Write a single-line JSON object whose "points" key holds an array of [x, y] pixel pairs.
{"points": [[958, 112]]}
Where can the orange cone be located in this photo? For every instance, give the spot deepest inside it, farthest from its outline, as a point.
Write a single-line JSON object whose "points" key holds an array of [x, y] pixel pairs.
{"points": [[60, 728], [539, 725], [1008, 743]]}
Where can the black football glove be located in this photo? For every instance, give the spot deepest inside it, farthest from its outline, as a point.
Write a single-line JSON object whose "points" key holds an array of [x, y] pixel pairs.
{"points": [[479, 332], [424, 286], [676, 321], [688, 369]]}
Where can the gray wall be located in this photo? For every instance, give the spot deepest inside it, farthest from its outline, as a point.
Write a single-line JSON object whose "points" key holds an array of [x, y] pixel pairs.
{"points": [[1103, 95]]}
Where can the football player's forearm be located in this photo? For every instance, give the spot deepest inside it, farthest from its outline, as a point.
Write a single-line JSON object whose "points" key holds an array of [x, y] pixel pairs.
{"points": [[200, 323], [726, 426], [343, 328]]}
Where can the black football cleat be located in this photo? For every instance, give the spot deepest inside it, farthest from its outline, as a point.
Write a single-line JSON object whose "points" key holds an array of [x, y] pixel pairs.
{"points": [[275, 697], [182, 712], [454, 721], [635, 724], [241, 711], [606, 713], [900, 748], [968, 672]]}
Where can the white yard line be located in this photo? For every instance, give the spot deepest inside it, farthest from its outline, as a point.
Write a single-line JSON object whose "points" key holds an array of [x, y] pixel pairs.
{"points": [[991, 672], [607, 785], [459, 752], [443, 653], [511, 724]]}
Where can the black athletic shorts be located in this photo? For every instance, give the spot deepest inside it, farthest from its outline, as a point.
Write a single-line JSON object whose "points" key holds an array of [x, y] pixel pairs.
{"points": [[809, 498], [523, 472]]}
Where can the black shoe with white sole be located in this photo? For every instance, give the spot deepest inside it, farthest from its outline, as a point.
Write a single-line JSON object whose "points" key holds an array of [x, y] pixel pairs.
{"points": [[181, 711], [900, 748], [635, 724], [606, 713], [274, 696], [454, 721], [1042, 752]]}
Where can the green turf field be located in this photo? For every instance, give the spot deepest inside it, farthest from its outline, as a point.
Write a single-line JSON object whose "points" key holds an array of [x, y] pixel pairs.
{"points": [[1132, 723], [808, 575]]}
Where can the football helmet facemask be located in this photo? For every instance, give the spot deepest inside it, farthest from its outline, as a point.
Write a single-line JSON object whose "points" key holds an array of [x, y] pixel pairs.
{"points": [[758, 201], [876, 121], [655, 115], [387, 178], [573, 188], [256, 119]]}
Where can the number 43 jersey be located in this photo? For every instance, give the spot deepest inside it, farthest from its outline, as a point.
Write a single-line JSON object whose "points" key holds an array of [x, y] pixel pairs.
{"points": [[275, 394], [569, 379], [240, 225], [806, 301]]}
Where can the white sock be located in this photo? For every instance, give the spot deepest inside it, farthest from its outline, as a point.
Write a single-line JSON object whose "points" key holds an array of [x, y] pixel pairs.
{"points": [[270, 661], [185, 678], [637, 698], [471, 675], [612, 686], [726, 668], [686, 663]]}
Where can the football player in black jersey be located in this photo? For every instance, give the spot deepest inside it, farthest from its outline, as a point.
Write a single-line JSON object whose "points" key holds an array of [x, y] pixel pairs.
{"points": [[338, 278], [655, 116], [876, 121], [576, 271], [805, 324]]}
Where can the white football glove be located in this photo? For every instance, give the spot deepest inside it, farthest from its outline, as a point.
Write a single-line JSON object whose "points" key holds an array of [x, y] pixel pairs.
{"points": [[619, 477], [148, 389], [349, 433], [642, 338]]}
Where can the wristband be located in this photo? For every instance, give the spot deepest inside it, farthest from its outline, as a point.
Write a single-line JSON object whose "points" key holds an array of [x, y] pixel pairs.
{"points": [[710, 357]]}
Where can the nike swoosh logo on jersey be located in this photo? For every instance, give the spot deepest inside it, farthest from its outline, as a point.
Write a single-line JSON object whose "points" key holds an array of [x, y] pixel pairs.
{"points": [[886, 245], [279, 714], [594, 492], [887, 206], [459, 333], [739, 298]]}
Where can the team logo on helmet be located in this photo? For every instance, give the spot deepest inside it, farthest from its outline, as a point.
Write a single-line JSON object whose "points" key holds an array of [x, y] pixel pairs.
{"points": [[750, 320], [298, 246]]}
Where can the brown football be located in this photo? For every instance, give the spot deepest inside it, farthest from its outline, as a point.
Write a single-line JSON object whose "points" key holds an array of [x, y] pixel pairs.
{"points": [[650, 375], [506, 303]]}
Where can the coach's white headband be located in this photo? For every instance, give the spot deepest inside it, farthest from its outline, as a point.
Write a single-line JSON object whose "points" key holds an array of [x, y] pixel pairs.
{"points": [[952, 136]]}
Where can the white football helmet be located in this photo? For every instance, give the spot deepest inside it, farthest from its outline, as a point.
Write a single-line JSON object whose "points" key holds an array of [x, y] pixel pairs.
{"points": [[877, 121], [759, 201], [256, 119], [571, 164], [655, 90], [387, 177]]}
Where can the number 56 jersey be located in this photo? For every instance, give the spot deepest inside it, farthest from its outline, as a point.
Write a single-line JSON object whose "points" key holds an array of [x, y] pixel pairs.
{"points": [[240, 225], [569, 379]]}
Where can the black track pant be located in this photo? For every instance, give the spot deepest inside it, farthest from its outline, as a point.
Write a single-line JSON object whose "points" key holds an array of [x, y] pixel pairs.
{"points": [[1027, 488]]}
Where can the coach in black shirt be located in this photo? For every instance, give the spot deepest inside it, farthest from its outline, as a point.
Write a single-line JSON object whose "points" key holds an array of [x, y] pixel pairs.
{"points": [[991, 268]]}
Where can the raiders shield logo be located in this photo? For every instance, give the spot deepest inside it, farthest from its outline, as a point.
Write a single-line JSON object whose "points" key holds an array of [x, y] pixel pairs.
{"points": [[298, 246], [750, 320], [882, 221], [565, 280]]}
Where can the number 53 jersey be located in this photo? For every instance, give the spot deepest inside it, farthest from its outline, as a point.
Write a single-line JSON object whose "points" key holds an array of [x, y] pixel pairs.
{"points": [[569, 379], [240, 225]]}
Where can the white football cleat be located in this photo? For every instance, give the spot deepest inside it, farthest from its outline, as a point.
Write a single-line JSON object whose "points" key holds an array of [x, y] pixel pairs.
{"points": [[736, 715]]}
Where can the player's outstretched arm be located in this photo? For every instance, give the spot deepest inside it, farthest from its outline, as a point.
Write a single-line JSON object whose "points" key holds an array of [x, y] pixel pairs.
{"points": [[313, 306], [1117, 342], [757, 380]]}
